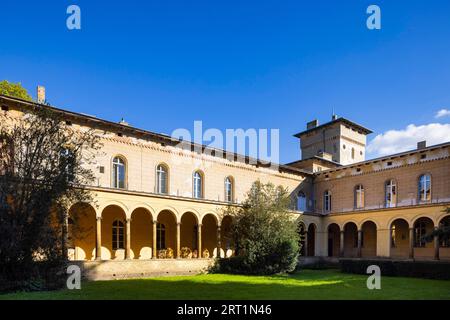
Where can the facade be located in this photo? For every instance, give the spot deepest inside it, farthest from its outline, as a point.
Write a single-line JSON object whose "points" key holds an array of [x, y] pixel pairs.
{"points": [[157, 198]]}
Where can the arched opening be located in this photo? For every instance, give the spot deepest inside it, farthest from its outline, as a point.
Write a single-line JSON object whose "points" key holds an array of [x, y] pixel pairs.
{"points": [[141, 234], [302, 238], [311, 240], [334, 240], [189, 236], [198, 184], [166, 235], [350, 240], [399, 239], [444, 244], [422, 248], [81, 232], [209, 235], [111, 216], [225, 236], [369, 239], [229, 189]]}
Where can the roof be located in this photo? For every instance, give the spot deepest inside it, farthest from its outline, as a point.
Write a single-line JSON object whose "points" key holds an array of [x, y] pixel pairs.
{"points": [[162, 138], [315, 158], [389, 157], [341, 119]]}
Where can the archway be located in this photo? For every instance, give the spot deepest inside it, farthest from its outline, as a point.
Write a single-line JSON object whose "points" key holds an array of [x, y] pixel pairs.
{"points": [[113, 233], [225, 236], [141, 234], [399, 238], [311, 240], [422, 248], [209, 235], [334, 240], [189, 235], [81, 232], [444, 244], [350, 240], [166, 235], [369, 239]]}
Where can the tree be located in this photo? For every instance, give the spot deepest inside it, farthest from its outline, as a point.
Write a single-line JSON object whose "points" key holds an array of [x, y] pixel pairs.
{"points": [[264, 233], [443, 232], [14, 90], [43, 171]]}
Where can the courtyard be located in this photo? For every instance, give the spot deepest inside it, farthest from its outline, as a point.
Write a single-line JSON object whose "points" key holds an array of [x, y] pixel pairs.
{"points": [[303, 285]]}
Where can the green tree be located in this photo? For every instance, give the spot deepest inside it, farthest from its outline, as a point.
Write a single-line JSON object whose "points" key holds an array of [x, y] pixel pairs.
{"points": [[264, 233], [14, 90], [443, 232], [42, 173]]}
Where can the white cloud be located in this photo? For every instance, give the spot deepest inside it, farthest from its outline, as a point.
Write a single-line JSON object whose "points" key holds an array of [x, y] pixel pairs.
{"points": [[395, 141], [442, 113]]}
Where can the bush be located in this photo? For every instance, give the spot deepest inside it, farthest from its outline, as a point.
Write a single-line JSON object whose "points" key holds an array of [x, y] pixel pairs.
{"points": [[419, 269], [264, 233]]}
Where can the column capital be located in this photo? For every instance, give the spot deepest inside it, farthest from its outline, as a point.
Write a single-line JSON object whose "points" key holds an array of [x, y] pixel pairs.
{"points": [[128, 220], [178, 223], [342, 231], [98, 218], [155, 221], [199, 225]]}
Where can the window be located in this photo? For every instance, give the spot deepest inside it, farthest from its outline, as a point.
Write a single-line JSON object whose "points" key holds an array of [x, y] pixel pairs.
{"points": [[67, 162], [118, 241], [327, 201], [160, 236], [229, 189], [359, 197], [391, 194], [353, 153], [301, 201], [198, 185], [419, 231], [162, 184], [119, 171], [425, 188]]}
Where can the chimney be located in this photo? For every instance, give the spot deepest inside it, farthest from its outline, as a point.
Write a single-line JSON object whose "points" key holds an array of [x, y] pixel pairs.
{"points": [[41, 94], [312, 124], [123, 122], [421, 145], [334, 117]]}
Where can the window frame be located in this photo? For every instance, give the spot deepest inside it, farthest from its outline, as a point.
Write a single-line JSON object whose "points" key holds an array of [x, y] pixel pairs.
{"points": [[165, 170], [359, 194], [115, 182], [194, 184], [118, 235], [424, 192], [390, 185], [327, 201], [229, 194]]}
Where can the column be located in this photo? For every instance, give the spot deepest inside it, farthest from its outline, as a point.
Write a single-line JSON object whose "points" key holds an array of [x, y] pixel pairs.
{"points": [[305, 243], [436, 245], [98, 242], [219, 243], [359, 243], [128, 242], [178, 240], [341, 252], [411, 243], [154, 253], [199, 238]]}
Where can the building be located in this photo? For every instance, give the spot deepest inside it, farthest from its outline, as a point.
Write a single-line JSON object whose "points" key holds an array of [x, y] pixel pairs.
{"points": [[155, 199]]}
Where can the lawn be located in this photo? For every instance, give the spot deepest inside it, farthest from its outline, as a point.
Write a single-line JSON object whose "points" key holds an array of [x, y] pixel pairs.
{"points": [[307, 284]]}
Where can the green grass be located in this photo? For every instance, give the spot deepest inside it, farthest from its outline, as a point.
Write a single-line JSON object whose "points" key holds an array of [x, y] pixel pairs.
{"points": [[307, 284]]}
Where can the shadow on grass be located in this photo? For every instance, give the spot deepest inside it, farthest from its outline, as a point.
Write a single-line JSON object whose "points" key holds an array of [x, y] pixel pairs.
{"points": [[304, 285]]}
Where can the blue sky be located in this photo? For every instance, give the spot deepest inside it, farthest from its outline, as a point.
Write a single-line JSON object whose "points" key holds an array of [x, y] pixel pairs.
{"points": [[233, 64]]}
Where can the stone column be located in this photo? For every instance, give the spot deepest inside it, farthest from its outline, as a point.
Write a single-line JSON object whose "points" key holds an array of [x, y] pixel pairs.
{"points": [[305, 243], [128, 242], [219, 242], [359, 243], [411, 243], [199, 238], [341, 251], [436, 245], [154, 253], [178, 240], [98, 242]]}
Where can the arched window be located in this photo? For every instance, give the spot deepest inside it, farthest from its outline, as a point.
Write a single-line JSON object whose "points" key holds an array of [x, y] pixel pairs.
{"points": [[162, 181], [160, 236], [301, 201], [425, 188], [359, 196], [229, 189], [119, 173], [391, 194], [198, 185], [327, 201], [118, 241]]}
